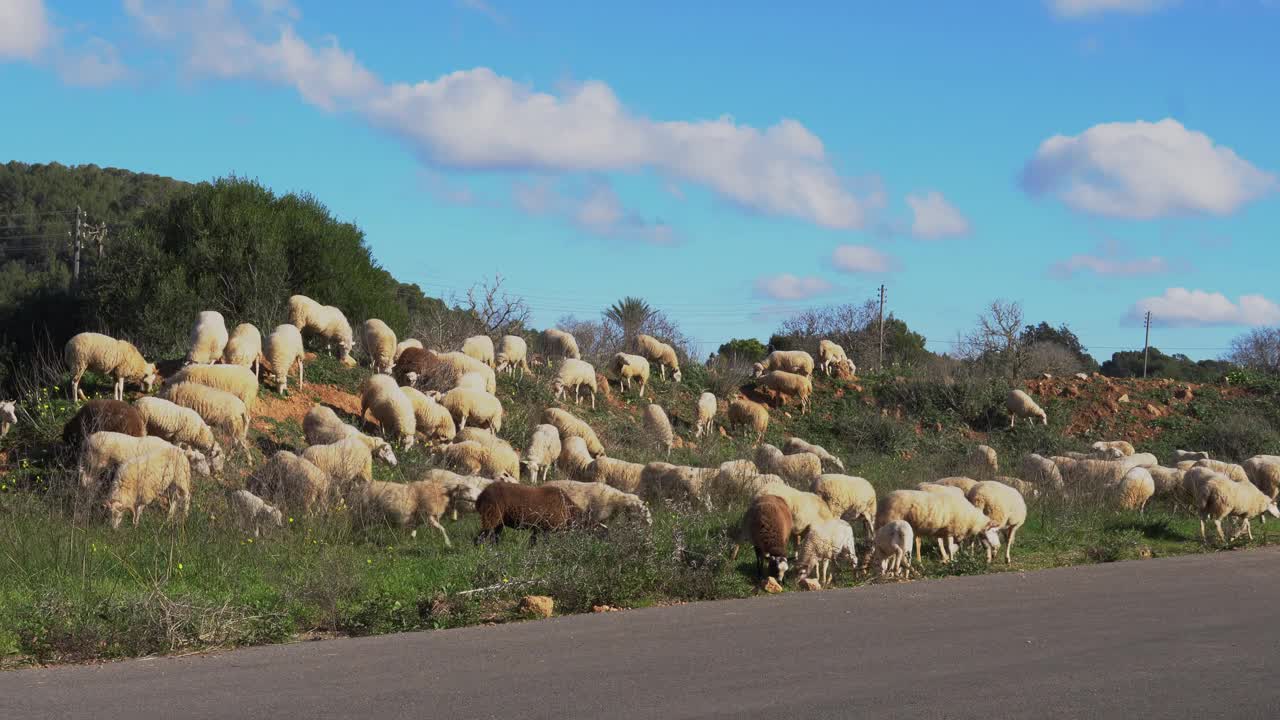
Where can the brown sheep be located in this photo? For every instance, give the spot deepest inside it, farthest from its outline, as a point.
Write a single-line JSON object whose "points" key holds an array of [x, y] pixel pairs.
{"points": [[541, 509], [768, 522], [105, 414], [413, 365]]}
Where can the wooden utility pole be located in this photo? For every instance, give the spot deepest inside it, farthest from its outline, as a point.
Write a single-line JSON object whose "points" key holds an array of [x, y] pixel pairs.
{"points": [[880, 363], [1146, 343], [77, 242]]}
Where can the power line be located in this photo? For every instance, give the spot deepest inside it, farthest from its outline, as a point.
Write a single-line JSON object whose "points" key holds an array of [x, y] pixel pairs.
{"points": [[49, 213]]}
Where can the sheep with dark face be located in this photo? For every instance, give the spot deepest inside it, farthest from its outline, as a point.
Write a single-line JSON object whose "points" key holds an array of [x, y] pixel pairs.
{"points": [[768, 524]]}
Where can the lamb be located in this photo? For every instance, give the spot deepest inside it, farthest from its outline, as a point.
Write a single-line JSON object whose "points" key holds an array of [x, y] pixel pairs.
{"points": [[1223, 498], [849, 497], [541, 509], [101, 452], [514, 354], [244, 348], [94, 416], [221, 410], [1264, 473], [542, 452], [571, 426], [480, 348], [208, 339], [106, 355], [1231, 470], [345, 461], [749, 413], [402, 504], [802, 469], [796, 362], [627, 367], [282, 349], [983, 462], [656, 351], [141, 479], [480, 407], [768, 524], [938, 515], [9, 416], [326, 321], [180, 426], [237, 380], [597, 502], [615, 473], [707, 407], [675, 482], [321, 426], [659, 427], [824, 543], [432, 420], [892, 549], [473, 458], [831, 355], [1006, 508], [292, 481], [1180, 455], [795, 446], [405, 345], [253, 512], [381, 396], [575, 460], [1020, 405], [1124, 446], [1041, 471], [1134, 489], [575, 374], [379, 342], [788, 385], [559, 342], [807, 509]]}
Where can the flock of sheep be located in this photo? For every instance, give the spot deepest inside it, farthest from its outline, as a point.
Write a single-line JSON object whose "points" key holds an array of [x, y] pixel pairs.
{"points": [[132, 454]]}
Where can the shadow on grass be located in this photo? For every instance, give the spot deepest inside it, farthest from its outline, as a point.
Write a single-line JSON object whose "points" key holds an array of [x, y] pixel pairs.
{"points": [[1149, 528]]}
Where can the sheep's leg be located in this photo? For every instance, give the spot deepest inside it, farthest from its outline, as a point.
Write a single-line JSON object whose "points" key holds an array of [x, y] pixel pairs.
{"points": [[942, 548], [1203, 538], [1010, 421], [137, 514], [1217, 523], [919, 554], [435, 523], [75, 388], [1008, 549], [299, 372]]}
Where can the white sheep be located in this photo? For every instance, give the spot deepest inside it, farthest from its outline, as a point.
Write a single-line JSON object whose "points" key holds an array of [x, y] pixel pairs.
{"points": [[1180, 455], [1168, 481], [796, 362], [570, 425], [402, 504], [824, 543], [893, 543], [106, 355], [1020, 405], [795, 446], [293, 481], [252, 512], [613, 472], [282, 350], [1041, 471], [1134, 489], [322, 426], [433, 420], [1264, 473], [102, 451], [744, 412], [1223, 497], [405, 345], [807, 509], [244, 348], [208, 338], [379, 342], [381, 396], [575, 375], [237, 380], [497, 460], [513, 354], [463, 490], [598, 502], [627, 367], [542, 452], [139, 480], [788, 385], [180, 426], [940, 515], [1124, 446], [345, 461], [801, 469], [222, 410], [1006, 508], [8, 416], [707, 407], [676, 482], [656, 351], [1235, 472], [326, 321], [480, 348], [849, 497], [659, 427], [575, 459], [831, 355], [476, 406], [983, 462], [559, 342], [738, 479], [448, 370]]}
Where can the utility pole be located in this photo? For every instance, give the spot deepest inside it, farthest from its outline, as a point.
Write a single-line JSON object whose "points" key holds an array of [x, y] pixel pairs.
{"points": [[880, 363], [1146, 343], [77, 241]]}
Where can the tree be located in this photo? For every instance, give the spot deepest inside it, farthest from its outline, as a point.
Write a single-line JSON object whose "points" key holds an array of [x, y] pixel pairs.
{"points": [[1128, 364], [497, 312], [630, 315], [743, 350], [996, 343], [856, 328], [1258, 349], [1063, 336]]}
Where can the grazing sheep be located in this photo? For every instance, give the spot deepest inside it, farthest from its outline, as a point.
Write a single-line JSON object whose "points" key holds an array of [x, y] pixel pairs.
{"points": [[479, 347], [660, 480], [788, 385], [796, 362], [801, 469], [570, 425], [795, 446], [1090, 474], [101, 452], [1027, 489], [106, 355], [94, 416], [1168, 481], [630, 367], [432, 420], [1006, 508], [414, 364], [463, 490], [283, 349], [824, 543], [738, 479], [1142, 460], [180, 426], [1042, 471], [405, 345], [1124, 446], [1231, 470], [849, 497], [598, 502], [831, 355], [1264, 473], [402, 504], [141, 479], [473, 381], [768, 524], [559, 342], [748, 413], [237, 380], [244, 348], [706, 413], [379, 342], [1223, 497], [1194, 481], [321, 426], [221, 410], [540, 509], [345, 461], [575, 374], [807, 509], [575, 459], [326, 321], [965, 484], [1180, 455], [1020, 405], [542, 452], [9, 416], [938, 515], [983, 462], [253, 512], [1103, 454], [293, 481], [1134, 489], [656, 351], [471, 457], [933, 487], [659, 427], [892, 549], [381, 396], [208, 339], [443, 371], [513, 354], [615, 473], [478, 406]]}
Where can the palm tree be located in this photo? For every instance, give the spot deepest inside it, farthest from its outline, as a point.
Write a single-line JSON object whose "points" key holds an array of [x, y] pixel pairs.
{"points": [[630, 314]]}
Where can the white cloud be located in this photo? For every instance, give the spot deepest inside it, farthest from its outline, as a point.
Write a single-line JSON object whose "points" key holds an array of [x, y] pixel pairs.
{"points": [[791, 287], [1077, 9], [1143, 170], [935, 218], [24, 29], [95, 65], [485, 9], [595, 209], [861, 258], [1182, 307], [1098, 265]]}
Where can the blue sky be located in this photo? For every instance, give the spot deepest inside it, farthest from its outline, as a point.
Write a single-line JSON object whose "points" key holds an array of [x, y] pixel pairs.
{"points": [[730, 162]]}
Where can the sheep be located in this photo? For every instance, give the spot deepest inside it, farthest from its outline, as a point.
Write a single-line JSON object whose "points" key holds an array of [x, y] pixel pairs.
{"points": [[559, 342], [788, 385], [379, 342], [541, 509], [106, 355], [893, 543], [570, 425], [237, 380], [479, 347], [1231, 470], [575, 374], [463, 490], [768, 524], [326, 321], [101, 452], [180, 426], [675, 482], [293, 481], [795, 446], [542, 452], [345, 461], [1134, 489], [402, 504], [1020, 405], [831, 355], [414, 364], [656, 351], [1090, 473], [244, 348], [94, 416], [807, 508], [796, 362], [615, 473], [1223, 497], [983, 462], [575, 459], [939, 515], [940, 489], [1006, 508], [221, 410], [282, 349], [253, 512], [659, 427], [824, 543], [598, 502], [706, 413], [1124, 446], [1168, 481], [1180, 455], [472, 457], [627, 367], [9, 416], [443, 371], [1027, 489], [1041, 471], [1142, 460], [749, 413], [138, 481], [405, 345], [801, 469], [321, 426], [1264, 473], [432, 420], [1196, 479], [381, 396], [848, 497], [965, 484], [478, 406], [513, 354], [1102, 454], [208, 339], [737, 479]]}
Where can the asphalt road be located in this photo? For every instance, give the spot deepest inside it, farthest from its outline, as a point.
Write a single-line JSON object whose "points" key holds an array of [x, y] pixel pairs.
{"points": [[1189, 637]]}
